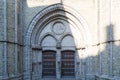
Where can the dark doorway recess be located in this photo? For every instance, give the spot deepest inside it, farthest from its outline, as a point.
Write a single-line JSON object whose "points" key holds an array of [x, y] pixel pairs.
{"points": [[49, 64], [67, 64]]}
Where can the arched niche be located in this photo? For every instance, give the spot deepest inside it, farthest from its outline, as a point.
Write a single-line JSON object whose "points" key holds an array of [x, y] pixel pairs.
{"points": [[68, 43], [48, 43]]}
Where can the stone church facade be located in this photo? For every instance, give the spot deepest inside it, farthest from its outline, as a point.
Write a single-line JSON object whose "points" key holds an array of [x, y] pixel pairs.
{"points": [[59, 40]]}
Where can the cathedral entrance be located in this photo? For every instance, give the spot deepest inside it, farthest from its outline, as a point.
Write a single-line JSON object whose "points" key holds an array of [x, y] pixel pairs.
{"points": [[54, 43]]}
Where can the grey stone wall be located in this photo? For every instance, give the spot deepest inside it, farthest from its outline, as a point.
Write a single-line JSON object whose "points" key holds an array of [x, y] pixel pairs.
{"points": [[1, 19], [9, 44], [102, 17], [1, 36], [116, 58], [10, 37], [1, 58], [99, 14], [11, 20]]}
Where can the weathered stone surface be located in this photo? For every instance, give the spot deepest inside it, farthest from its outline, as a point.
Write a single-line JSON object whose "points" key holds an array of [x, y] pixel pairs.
{"points": [[1, 20], [104, 20], [105, 58], [10, 59], [96, 52], [1, 58], [10, 21], [116, 58], [115, 18]]}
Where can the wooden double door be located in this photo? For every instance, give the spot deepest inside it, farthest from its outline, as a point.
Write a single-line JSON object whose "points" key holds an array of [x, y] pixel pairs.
{"points": [[67, 66]]}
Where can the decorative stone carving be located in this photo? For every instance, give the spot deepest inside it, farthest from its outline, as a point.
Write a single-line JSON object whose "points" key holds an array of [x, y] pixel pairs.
{"points": [[36, 47], [58, 28]]}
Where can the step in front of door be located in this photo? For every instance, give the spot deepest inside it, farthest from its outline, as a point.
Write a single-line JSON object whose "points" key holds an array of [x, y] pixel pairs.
{"points": [[58, 79]]}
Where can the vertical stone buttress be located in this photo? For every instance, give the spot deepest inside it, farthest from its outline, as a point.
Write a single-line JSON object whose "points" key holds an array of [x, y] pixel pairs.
{"points": [[9, 40], [3, 47], [105, 38], [13, 38]]}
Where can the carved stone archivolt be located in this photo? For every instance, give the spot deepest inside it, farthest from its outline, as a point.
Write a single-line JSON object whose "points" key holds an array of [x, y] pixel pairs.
{"points": [[48, 30]]}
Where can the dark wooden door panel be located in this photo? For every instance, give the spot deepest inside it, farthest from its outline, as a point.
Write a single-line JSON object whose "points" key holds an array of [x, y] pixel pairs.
{"points": [[67, 66], [49, 63]]}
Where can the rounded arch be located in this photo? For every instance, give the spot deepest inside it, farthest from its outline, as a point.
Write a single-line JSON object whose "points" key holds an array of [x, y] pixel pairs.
{"points": [[42, 18]]}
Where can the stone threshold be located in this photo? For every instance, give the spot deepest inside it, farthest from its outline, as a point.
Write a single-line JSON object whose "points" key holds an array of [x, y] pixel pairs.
{"points": [[104, 77], [13, 77]]}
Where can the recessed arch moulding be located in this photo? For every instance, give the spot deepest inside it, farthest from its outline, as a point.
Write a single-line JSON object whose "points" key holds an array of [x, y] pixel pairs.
{"points": [[50, 29]]}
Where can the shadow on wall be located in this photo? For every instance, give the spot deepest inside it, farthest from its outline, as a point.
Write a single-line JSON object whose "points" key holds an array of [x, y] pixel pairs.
{"points": [[55, 30], [108, 58]]}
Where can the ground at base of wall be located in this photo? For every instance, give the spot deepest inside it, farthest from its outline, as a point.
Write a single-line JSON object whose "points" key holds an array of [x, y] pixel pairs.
{"points": [[104, 77]]}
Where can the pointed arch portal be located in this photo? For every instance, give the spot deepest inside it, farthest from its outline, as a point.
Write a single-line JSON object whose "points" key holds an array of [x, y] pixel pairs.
{"points": [[54, 38]]}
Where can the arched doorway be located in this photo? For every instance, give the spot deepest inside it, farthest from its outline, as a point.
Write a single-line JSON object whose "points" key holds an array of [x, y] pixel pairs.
{"points": [[58, 51], [53, 42]]}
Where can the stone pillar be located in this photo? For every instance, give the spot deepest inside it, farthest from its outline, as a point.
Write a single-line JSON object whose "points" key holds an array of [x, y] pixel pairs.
{"points": [[16, 39], [111, 51], [5, 75], [27, 73], [37, 73], [77, 64], [40, 63], [58, 64]]}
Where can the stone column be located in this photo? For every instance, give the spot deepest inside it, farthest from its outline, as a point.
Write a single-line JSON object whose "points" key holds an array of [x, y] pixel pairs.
{"points": [[111, 51], [5, 75], [77, 63], [58, 60], [58, 64], [16, 39], [40, 63]]}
